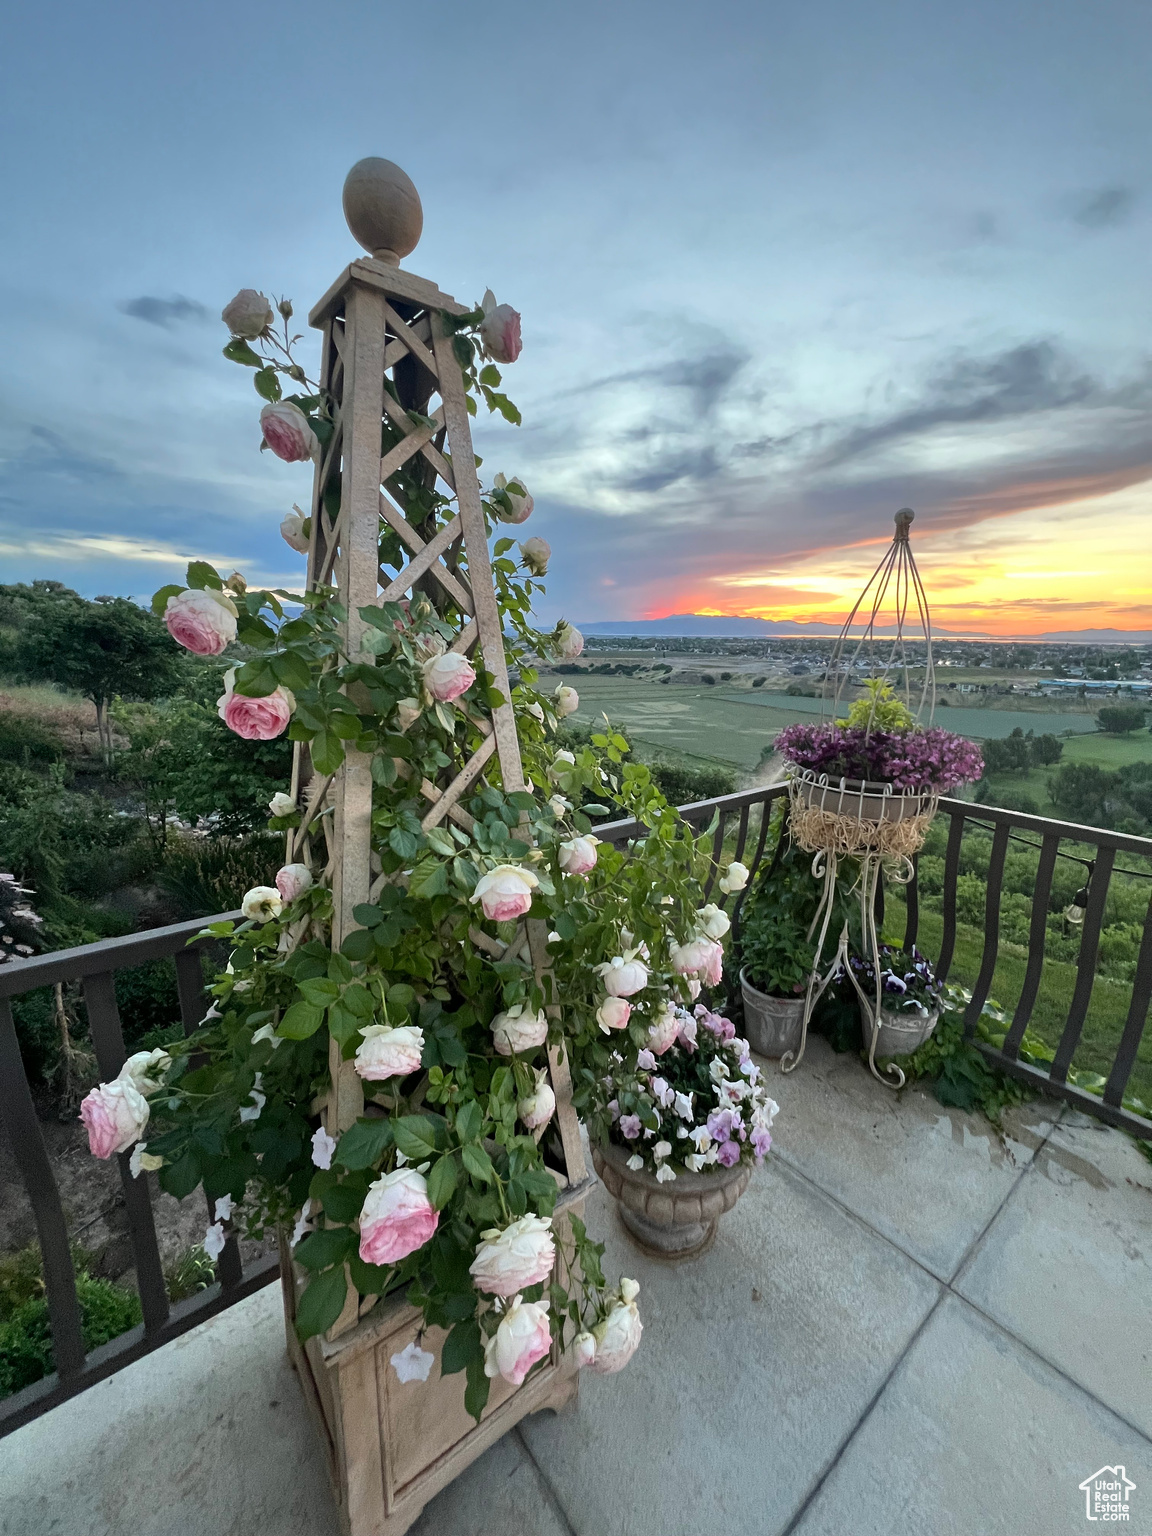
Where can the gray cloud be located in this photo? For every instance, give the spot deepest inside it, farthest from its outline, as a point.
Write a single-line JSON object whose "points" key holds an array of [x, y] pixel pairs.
{"points": [[164, 312], [1104, 208]]}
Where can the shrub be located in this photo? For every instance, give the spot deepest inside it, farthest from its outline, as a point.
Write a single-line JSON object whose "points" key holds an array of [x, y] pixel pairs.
{"points": [[1119, 719], [206, 875], [106, 1311], [25, 741]]}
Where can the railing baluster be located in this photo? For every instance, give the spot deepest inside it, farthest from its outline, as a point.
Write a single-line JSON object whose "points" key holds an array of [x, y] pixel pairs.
{"points": [[951, 874], [991, 927], [1037, 941], [1085, 964], [1137, 1018], [912, 904], [767, 806], [190, 988], [108, 1041], [18, 1114], [714, 856]]}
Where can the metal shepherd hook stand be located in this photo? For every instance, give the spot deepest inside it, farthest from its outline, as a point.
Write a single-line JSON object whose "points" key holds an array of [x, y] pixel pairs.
{"points": [[875, 827]]}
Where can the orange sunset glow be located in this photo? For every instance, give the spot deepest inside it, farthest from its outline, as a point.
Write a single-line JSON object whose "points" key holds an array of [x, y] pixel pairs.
{"points": [[1084, 564]]}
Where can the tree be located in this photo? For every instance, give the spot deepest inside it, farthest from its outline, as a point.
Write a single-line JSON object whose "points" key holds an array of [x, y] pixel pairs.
{"points": [[1119, 719], [101, 650]]}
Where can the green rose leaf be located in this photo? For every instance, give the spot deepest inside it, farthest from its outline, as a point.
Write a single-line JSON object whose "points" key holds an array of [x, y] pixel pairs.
{"points": [[463, 1344], [343, 1025], [359, 945], [469, 1121], [267, 384], [319, 991], [415, 1138], [327, 752], [363, 1145], [477, 1162], [181, 1177], [160, 600], [442, 1180], [238, 351], [370, 1279], [476, 1392], [343, 1202], [201, 575], [321, 1303], [332, 1245], [429, 878], [300, 1022], [291, 670]]}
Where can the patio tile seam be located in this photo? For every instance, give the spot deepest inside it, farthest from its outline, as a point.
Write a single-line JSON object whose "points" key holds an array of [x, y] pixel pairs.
{"points": [[1051, 1365], [549, 1491], [837, 1456]]}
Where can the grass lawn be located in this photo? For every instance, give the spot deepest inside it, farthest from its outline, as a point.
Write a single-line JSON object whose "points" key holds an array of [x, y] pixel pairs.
{"points": [[695, 721], [1107, 1010]]}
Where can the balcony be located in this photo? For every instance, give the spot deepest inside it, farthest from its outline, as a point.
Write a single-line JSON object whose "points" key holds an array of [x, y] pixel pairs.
{"points": [[911, 1322]]}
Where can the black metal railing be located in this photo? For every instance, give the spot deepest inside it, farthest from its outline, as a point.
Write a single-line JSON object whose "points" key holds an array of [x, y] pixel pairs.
{"points": [[742, 824], [741, 832], [95, 966]]}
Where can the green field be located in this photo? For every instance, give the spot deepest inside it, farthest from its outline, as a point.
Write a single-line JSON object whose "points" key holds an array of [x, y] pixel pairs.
{"points": [[719, 725], [1104, 751]]}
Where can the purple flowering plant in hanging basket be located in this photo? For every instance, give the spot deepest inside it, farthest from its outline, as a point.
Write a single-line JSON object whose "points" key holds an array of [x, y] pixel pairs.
{"points": [[933, 760]]}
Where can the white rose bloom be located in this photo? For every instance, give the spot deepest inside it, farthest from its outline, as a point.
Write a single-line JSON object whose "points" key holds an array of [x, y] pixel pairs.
{"points": [[535, 554], [505, 892], [566, 701], [292, 531], [583, 1349], [145, 1069], [518, 1029], [569, 642], [538, 1108], [447, 676], [281, 804], [713, 921], [386, 1052], [262, 903], [735, 879], [617, 1338], [561, 764], [578, 855], [623, 976], [559, 806], [249, 314], [513, 1259]]}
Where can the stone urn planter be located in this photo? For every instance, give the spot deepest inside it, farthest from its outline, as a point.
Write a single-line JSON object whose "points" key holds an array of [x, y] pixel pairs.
{"points": [[900, 1033], [675, 1220], [773, 1026]]}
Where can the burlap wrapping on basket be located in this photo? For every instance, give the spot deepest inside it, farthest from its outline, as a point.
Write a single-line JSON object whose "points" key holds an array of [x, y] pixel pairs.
{"points": [[823, 831]]}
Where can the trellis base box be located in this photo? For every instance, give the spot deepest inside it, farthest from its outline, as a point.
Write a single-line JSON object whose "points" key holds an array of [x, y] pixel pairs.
{"points": [[392, 1446]]}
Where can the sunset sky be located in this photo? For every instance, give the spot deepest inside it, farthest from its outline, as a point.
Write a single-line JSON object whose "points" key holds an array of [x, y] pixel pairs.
{"points": [[783, 269]]}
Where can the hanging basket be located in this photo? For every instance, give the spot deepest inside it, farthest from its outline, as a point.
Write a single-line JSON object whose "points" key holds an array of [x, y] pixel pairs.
{"points": [[851, 817]]}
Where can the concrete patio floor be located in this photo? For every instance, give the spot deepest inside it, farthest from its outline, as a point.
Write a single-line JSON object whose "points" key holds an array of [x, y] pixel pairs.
{"points": [[908, 1325]]}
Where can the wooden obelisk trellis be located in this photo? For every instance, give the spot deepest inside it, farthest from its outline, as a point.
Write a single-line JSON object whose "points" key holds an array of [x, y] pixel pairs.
{"points": [[379, 322]]}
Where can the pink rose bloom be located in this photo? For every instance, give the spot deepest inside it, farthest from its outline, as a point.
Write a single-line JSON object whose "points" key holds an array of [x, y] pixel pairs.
{"points": [[699, 957], [254, 719], [500, 330], [613, 1013], [523, 1337], [293, 880], [505, 893], [385, 1052], [578, 855], [397, 1217], [202, 621], [663, 1032], [288, 432], [512, 1259], [114, 1115], [446, 677]]}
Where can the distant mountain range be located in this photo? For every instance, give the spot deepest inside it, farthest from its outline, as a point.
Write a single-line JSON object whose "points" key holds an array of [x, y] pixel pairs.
{"points": [[711, 626]]}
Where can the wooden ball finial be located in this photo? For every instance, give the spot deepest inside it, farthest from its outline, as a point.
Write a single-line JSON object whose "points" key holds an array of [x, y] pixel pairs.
{"points": [[382, 207]]}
